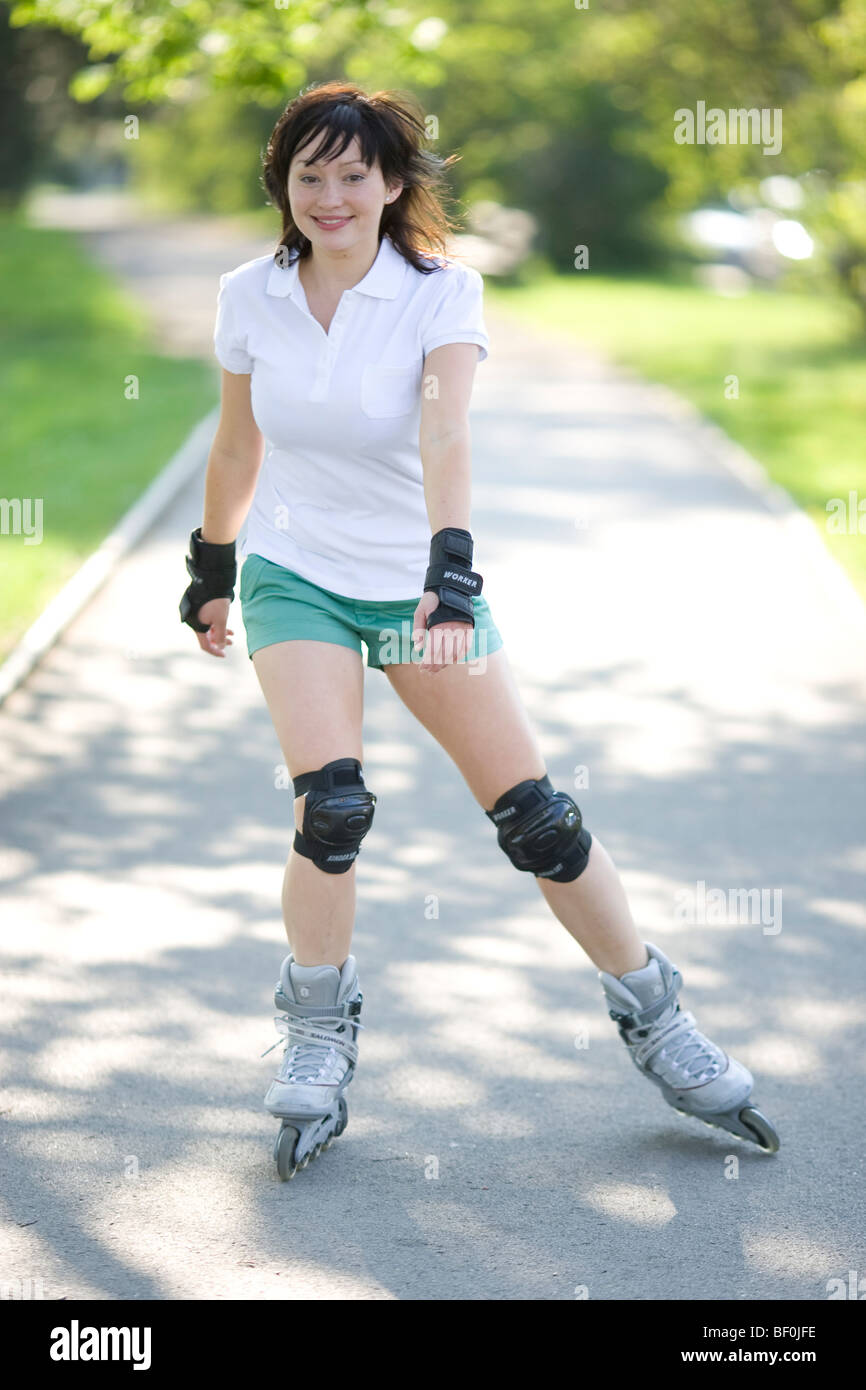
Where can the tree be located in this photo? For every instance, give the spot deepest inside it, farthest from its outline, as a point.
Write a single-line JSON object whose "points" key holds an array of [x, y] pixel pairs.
{"points": [[567, 112]]}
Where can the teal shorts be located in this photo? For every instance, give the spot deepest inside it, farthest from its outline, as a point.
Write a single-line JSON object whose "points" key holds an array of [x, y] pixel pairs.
{"points": [[279, 606]]}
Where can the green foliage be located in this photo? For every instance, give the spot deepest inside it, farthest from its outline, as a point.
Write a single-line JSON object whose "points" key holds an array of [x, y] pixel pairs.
{"points": [[806, 58], [202, 156], [566, 112], [15, 114]]}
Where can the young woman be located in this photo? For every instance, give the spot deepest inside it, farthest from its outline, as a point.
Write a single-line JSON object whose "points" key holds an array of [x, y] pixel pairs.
{"points": [[348, 360]]}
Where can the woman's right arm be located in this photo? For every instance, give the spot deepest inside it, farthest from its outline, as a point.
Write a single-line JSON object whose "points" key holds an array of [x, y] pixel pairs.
{"points": [[232, 472], [234, 462]]}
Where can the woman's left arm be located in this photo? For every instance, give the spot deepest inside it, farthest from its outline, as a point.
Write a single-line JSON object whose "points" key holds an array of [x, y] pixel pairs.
{"points": [[443, 437], [445, 445]]}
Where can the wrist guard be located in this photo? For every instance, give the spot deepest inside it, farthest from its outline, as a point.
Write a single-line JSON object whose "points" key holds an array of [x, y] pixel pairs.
{"points": [[451, 576], [213, 570]]}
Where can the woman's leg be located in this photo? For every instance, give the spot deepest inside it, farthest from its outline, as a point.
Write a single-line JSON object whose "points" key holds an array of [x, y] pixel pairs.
{"points": [[315, 694], [481, 722]]}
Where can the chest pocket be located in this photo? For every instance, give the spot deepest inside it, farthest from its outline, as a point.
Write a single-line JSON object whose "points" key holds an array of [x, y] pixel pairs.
{"points": [[389, 391]]}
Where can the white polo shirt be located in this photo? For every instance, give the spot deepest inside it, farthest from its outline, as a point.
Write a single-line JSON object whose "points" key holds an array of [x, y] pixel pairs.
{"points": [[340, 496]]}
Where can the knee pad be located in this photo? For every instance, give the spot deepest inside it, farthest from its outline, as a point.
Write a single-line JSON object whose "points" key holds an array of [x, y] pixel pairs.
{"points": [[338, 812], [541, 830]]}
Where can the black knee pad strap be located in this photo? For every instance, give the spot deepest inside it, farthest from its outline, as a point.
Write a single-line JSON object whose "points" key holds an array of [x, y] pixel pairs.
{"points": [[541, 830], [338, 812]]}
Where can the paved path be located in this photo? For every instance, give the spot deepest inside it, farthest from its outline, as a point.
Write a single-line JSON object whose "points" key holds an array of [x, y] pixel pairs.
{"points": [[671, 634]]}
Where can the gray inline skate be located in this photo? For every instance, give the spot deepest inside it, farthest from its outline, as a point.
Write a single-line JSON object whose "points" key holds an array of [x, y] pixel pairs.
{"points": [[694, 1076], [320, 1021]]}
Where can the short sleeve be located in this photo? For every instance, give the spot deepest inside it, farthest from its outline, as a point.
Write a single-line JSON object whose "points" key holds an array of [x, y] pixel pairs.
{"points": [[229, 343], [459, 315]]}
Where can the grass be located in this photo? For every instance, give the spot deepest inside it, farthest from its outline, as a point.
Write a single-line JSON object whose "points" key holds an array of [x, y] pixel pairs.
{"points": [[799, 360], [69, 338]]}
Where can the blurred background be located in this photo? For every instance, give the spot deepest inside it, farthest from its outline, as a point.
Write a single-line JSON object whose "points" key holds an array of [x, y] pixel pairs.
{"points": [[733, 271]]}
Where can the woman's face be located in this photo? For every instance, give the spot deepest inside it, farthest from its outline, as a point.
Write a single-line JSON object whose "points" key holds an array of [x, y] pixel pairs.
{"points": [[338, 203]]}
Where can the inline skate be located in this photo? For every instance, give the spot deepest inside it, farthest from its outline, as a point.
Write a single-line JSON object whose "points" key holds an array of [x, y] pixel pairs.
{"points": [[694, 1075], [320, 1021]]}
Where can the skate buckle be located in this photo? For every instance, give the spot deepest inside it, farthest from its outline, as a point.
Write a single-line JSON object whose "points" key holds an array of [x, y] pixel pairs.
{"points": [[621, 1018], [622, 1021]]}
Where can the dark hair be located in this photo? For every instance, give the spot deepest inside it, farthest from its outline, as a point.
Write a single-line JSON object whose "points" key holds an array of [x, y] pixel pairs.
{"points": [[390, 130]]}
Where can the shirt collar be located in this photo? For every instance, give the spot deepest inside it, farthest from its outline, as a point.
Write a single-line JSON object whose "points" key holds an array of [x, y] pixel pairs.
{"points": [[382, 280]]}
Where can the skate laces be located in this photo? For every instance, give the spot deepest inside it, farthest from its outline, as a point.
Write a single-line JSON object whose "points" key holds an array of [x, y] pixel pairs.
{"points": [[313, 1059], [683, 1049]]}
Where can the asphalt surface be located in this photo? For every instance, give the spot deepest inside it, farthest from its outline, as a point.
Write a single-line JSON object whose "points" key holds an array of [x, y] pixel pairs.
{"points": [[672, 634]]}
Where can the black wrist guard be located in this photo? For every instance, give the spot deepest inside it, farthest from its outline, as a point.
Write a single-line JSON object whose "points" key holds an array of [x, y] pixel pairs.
{"points": [[213, 570], [450, 575]]}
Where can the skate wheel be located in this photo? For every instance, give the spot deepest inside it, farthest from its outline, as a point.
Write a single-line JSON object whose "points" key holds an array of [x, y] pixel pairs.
{"points": [[284, 1152], [758, 1125], [344, 1117]]}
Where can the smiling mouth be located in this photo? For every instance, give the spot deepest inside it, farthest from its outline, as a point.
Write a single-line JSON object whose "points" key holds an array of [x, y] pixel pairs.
{"points": [[331, 221]]}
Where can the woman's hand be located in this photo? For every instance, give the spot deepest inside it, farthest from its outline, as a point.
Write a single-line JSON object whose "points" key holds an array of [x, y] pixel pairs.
{"points": [[217, 637], [446, 644]]}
